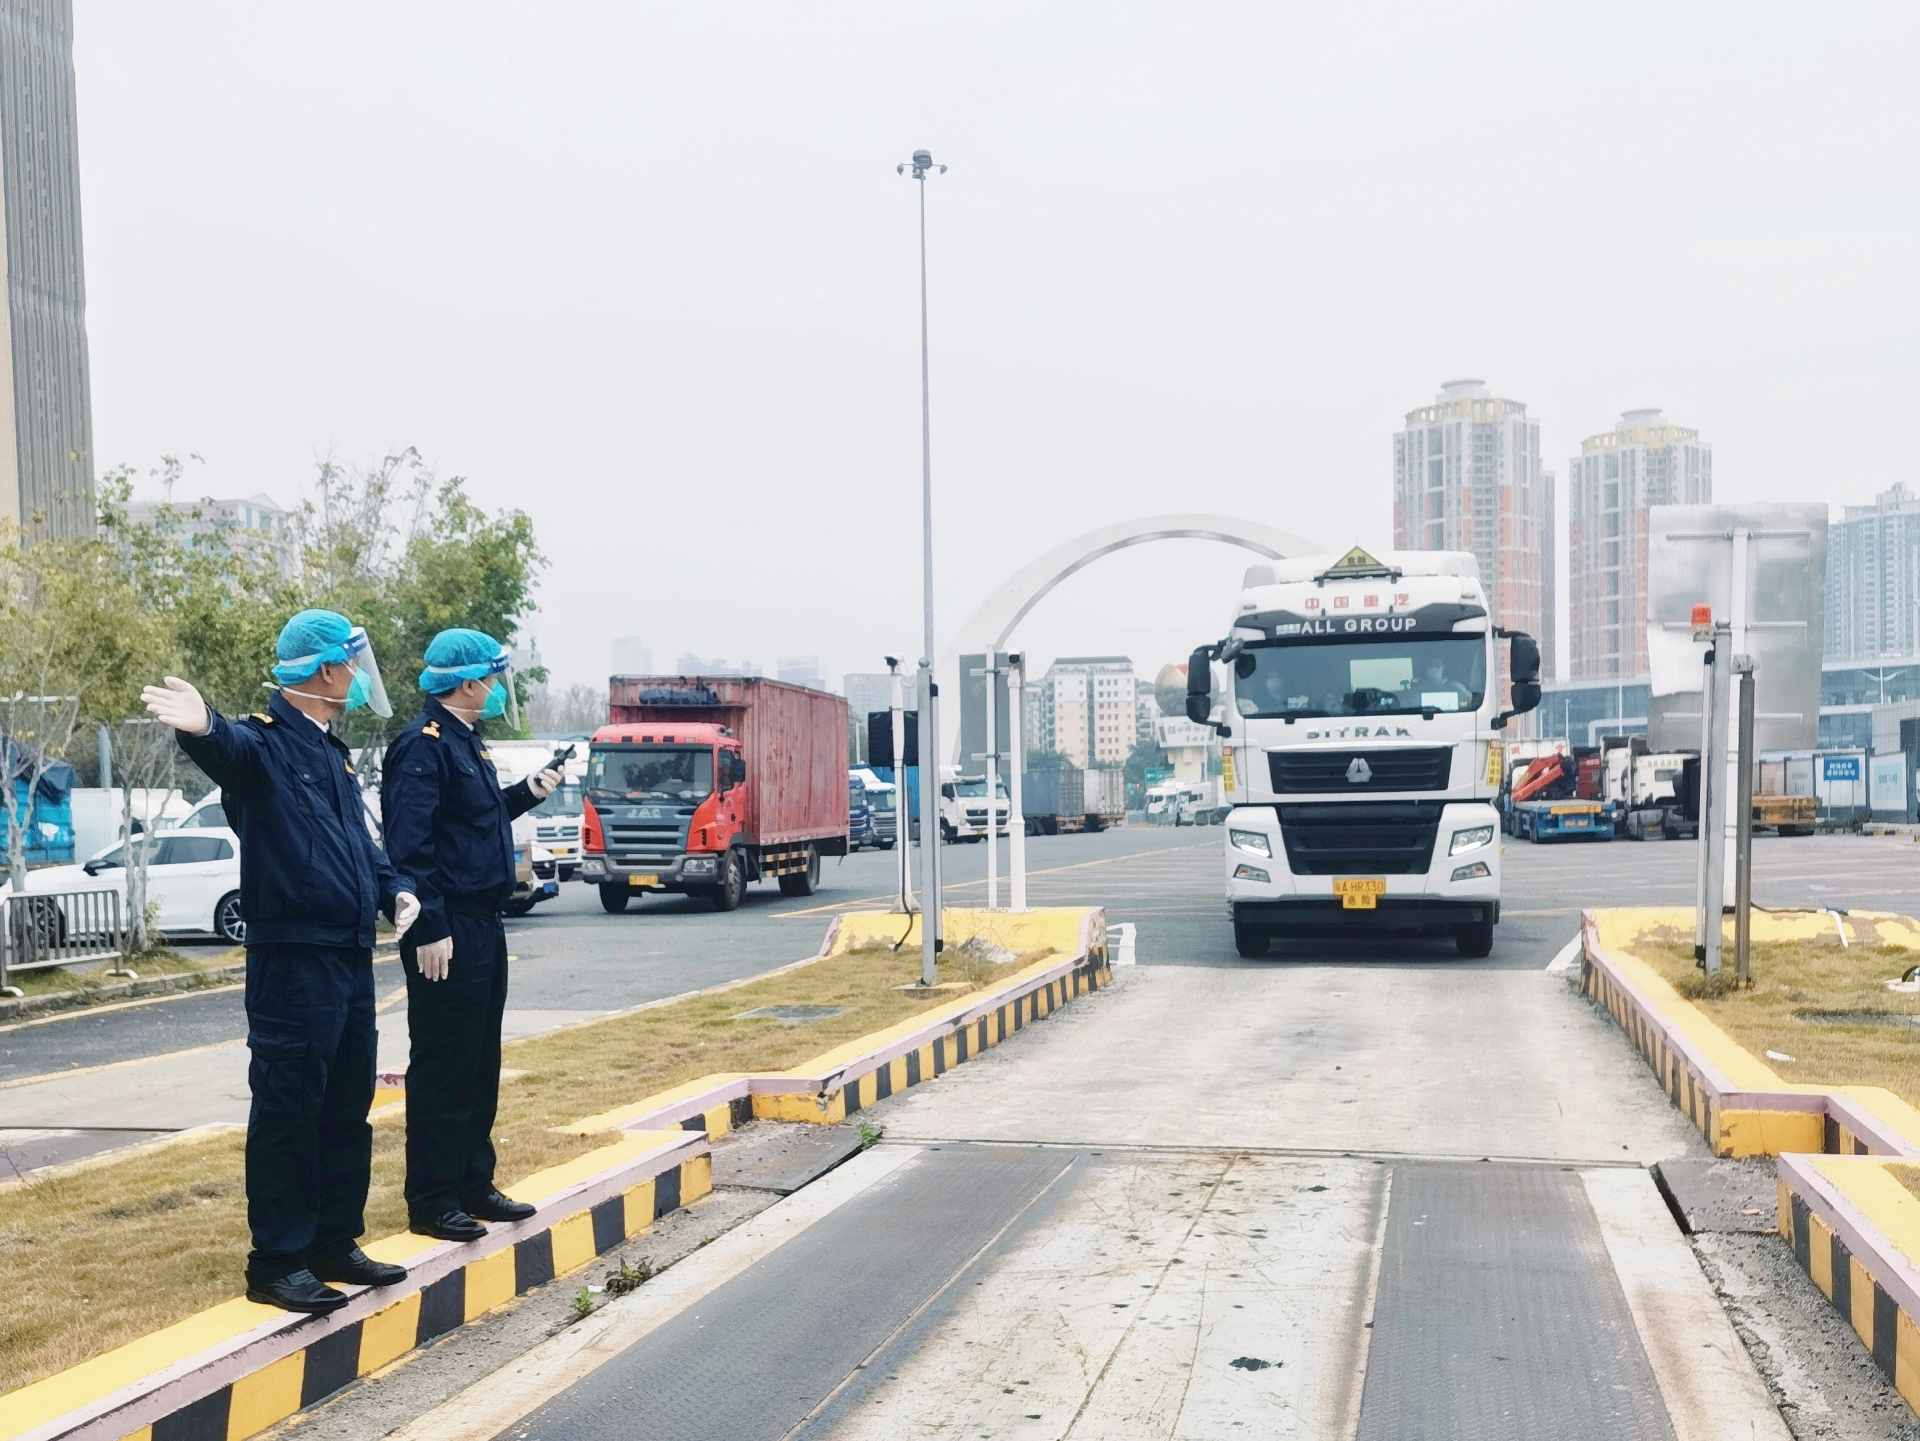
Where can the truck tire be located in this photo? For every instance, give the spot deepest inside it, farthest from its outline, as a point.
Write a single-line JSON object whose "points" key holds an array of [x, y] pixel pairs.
{"points": [[1251, 941], [1475, 941], [733, 883], [523, 908], [948, 836], [613, 899], [801, 883]]}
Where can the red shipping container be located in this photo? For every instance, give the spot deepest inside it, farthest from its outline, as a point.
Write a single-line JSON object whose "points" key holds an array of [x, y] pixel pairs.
{"points": [[794, 740]]}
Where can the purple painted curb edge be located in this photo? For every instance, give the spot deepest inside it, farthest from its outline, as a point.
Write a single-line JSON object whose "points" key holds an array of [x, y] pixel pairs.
{"points": [[1887, 1264]]}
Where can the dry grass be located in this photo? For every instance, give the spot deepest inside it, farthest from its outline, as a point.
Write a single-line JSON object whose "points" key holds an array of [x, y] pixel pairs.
{"points": [[1791, 981], [153, 963], [99, 1256]]}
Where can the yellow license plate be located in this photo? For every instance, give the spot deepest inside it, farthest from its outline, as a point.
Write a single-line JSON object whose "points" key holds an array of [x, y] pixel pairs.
{"points": [[1357, 892], [643, 880]]}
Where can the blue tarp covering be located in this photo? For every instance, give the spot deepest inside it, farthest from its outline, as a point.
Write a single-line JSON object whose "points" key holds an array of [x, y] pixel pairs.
{"points": [[48, 820]]}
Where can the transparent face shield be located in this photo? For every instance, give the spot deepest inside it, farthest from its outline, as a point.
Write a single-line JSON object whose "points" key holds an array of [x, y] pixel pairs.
{"points": [[502, 700], [365, 689]]}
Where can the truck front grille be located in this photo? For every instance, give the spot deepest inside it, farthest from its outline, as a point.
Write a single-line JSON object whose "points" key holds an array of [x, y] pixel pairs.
{"points": [[644, 842], [1406, 768], [1367, 838]]}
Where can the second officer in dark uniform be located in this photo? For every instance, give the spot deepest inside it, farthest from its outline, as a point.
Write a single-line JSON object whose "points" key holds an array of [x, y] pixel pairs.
{"points": [[449, 829]]}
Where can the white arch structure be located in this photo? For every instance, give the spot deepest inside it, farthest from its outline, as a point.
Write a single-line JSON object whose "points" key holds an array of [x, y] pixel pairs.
{"points": [[989, 627]]}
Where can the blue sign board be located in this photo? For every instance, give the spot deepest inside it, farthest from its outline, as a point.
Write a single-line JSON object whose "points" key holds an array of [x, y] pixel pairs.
{"points": [[1840, 768]]}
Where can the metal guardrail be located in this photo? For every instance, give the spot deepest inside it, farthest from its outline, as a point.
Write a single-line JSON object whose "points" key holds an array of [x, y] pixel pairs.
{"points": [[39, 932]]}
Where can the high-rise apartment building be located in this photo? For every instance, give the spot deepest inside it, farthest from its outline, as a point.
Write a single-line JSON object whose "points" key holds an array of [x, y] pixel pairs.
{"points": [[632, 655], [1873, 578], [800, 670], [1643, 461], [691, 664], [46, 411], [250, 524], [1088, 710], [1467, 476]]}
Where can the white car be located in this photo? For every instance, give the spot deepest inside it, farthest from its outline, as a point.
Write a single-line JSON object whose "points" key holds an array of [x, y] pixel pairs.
{"points": [[193, 875]]}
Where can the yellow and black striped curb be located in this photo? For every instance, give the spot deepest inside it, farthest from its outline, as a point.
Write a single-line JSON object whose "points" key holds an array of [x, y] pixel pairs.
{"points": [[1736, 1101], [831, 1087], [233, 1371], [1855, 1229]]}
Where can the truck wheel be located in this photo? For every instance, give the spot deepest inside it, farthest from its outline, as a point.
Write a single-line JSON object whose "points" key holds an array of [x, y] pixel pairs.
{"points": [[948, 836], [613, 899], [522, 908], [733, 884], [801, 883], [1251, 941], [1475, 941]]}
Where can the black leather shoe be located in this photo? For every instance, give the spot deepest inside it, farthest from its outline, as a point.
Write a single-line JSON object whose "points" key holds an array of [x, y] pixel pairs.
{"points": [[453, 1225], [350, 1266], [495, 1207], [302, 1291]]}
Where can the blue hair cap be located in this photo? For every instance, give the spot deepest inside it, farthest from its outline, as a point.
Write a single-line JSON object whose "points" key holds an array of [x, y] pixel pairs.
{"points": [[457, 655], [310, 640]]}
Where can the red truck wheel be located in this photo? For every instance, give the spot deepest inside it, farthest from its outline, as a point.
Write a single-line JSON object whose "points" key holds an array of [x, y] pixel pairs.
{"points": [[801, 883]]}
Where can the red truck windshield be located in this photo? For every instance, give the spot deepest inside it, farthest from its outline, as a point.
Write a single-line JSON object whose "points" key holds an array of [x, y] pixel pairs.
{"points": [[661, 773]]}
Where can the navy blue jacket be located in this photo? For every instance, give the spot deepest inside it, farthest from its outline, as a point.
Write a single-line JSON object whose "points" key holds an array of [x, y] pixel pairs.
{"points": [[449, 824], [310, 873]]}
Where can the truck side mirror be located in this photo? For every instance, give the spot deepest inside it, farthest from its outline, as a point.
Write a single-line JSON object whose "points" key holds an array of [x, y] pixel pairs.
{"points": [[1200, 685], [1523, 664]]}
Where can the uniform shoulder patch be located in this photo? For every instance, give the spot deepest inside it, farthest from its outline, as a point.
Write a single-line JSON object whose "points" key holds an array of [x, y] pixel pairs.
{"points": [[431, 728], [262, 717], [350, 770]]}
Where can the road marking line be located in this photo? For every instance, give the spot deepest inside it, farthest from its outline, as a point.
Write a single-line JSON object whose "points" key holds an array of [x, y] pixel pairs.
{"points": [[1706, 1379], [1121, 934], [1565, 957], [494, 1403], [118, 1066]]}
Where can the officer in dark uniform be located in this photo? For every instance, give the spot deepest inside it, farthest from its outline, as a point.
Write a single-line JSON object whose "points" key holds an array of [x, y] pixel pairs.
{"points": [[311, 879], [450, 827]]}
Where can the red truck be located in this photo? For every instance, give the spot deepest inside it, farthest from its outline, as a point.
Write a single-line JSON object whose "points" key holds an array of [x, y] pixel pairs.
{"points": [[703, 785]]}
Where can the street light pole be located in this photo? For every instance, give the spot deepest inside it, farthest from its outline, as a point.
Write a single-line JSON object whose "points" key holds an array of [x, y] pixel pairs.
{"points": [[933, 901]]}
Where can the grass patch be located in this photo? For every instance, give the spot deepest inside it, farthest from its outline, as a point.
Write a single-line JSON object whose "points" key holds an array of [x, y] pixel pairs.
{"points": [[1795, 980], [98, 1257], [152, 963]]}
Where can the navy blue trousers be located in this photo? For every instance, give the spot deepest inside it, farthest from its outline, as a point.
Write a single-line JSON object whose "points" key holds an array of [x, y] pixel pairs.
{"points": [[310, 1028], [453, 1071]]}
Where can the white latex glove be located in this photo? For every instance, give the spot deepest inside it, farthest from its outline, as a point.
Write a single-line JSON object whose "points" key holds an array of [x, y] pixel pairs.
{"points": [[406, 910], [544, 783], [178, 705], [434, 957]]}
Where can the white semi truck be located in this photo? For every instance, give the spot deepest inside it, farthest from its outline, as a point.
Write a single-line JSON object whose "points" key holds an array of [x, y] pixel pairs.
{"points": [[1362, 747]]}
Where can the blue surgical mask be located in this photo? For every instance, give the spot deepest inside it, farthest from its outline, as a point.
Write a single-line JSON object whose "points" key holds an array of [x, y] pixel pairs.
{"points": [[496, 705], [359, 689]]}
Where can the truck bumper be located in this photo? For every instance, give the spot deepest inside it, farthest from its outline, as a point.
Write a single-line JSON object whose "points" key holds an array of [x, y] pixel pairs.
{"points": [[681, 873], [1457, 888]]}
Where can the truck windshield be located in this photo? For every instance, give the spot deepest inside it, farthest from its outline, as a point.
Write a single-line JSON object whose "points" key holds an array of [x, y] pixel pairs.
{"points": [[976, 788], [661, 773], [880, 800], [563, 802], [1391, 675]]}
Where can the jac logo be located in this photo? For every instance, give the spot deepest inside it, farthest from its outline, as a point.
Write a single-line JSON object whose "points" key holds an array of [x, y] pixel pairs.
{"points": [[1357, 733]]}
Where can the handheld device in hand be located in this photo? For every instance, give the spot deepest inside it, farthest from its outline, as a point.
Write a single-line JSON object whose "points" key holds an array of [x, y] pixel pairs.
{"points": [[560, 758]]}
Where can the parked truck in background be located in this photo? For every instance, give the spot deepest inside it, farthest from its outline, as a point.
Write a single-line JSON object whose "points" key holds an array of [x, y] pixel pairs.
{"points": [[1362, 747], [703, 785], [554, 824], [882, 806], [963, 808], [1072, 799]]}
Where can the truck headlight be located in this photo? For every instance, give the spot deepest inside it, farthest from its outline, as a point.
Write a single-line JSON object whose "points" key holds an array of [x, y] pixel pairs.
{"points": [[698, 866], [1252, 841], [1468, 839], [1473, 872], [1252, 873]]}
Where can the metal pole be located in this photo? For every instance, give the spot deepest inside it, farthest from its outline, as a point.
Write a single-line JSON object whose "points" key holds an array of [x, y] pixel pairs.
{"points": [[1705, 790], [933, 900], [1743, 830], [900, 816], [1713, 895], [1016, 817], [993, 782]]}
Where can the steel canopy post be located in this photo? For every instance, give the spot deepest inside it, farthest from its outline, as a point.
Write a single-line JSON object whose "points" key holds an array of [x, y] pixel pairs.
{"points": [[1017, 817], [1743, 829], [901, 818], [1714, 816]]}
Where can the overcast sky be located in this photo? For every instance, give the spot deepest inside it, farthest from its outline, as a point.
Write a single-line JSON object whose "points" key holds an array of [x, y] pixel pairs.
{"points": [[647, 273]]}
